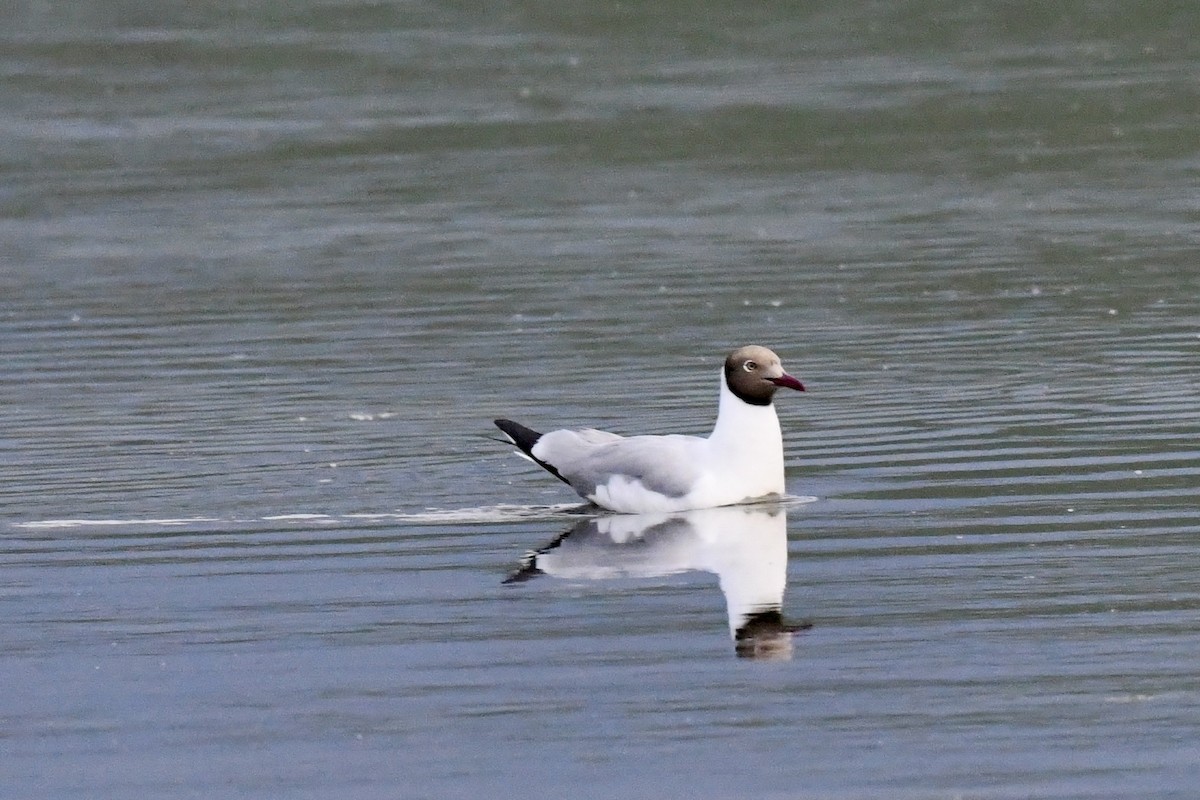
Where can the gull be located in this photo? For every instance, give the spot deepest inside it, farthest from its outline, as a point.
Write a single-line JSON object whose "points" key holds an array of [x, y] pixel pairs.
{"points": [[740, 461]]}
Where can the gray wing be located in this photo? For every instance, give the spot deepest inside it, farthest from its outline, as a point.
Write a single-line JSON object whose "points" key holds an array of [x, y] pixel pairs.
{"points": [[587, 459]]}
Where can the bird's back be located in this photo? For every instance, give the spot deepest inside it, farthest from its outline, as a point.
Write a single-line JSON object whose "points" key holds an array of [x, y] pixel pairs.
{"points": [[591, 459]]}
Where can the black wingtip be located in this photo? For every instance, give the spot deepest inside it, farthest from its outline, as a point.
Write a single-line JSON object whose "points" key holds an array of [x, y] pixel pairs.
{"points": [[526, 438], [522, 437]]}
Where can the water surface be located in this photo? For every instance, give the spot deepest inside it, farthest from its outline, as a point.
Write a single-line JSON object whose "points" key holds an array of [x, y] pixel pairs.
{"points": [[270, 272]]}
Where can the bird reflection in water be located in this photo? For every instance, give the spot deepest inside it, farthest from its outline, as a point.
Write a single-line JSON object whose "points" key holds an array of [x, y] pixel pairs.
{"points": [[745, 546]]}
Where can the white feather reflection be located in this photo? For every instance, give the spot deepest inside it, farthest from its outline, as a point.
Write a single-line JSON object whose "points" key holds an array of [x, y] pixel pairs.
{"points": [[744, 546]]}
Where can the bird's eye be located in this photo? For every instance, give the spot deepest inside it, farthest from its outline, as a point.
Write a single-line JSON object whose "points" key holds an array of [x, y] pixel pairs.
{"points": [[750, 366]]}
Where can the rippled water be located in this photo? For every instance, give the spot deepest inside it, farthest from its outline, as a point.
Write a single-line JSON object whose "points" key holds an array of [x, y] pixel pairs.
{"points": [[270, 272]]}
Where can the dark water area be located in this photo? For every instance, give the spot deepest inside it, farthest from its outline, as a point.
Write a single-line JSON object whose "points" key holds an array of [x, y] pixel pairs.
{"points": [[271, 269]]}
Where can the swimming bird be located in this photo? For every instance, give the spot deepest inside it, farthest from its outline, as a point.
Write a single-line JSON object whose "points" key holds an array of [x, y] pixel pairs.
{"points": [[741, 460]]}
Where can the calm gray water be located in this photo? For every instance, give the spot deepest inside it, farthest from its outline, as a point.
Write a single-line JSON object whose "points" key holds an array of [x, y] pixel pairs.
{"points": [[270, 269]]}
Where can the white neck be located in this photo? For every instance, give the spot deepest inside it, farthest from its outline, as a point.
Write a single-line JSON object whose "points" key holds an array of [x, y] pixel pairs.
{"points": [[743, 428]]}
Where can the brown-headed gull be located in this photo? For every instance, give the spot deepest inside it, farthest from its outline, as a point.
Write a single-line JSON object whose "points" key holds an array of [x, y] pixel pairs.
{"points": [[741, 460]]}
